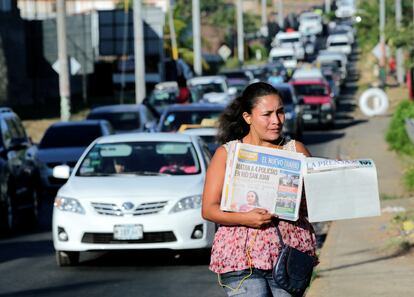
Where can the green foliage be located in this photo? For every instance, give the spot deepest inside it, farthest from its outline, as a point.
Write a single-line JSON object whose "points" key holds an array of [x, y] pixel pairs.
{"points": [[396, 136], [368, 28], [409, 179], [231, 63], [258, 46]]}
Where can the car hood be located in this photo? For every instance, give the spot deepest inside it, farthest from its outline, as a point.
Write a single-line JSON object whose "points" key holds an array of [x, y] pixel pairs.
{"points": [[60, 154], [152, 188], [316, 99]]}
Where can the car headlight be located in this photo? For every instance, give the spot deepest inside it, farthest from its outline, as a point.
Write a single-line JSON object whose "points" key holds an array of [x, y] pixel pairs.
{"points": [[326, 106], [192, 202], [288, 115], [69, 204]]}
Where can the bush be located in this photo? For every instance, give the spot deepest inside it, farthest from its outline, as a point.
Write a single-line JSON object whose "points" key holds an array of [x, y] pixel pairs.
{"points": [[258, 47], [396, 136]]}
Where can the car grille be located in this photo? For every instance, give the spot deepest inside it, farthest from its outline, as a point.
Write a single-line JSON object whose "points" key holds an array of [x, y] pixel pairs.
{"points": [[149, 237], [112, 209]]}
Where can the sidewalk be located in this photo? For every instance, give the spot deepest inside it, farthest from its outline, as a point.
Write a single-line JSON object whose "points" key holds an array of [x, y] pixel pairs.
{"points": [[354, 260]]}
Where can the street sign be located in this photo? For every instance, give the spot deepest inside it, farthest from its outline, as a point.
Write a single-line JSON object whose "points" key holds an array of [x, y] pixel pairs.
{"points": [[75, 66], [224, 51], [376, 51]]}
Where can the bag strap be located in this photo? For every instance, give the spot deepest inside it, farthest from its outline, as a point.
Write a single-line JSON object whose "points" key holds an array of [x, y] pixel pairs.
{"points": [[279, 234]]}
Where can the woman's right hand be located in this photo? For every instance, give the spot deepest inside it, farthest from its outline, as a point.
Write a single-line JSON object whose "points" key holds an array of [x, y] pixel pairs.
{"points": [[257, 218]]}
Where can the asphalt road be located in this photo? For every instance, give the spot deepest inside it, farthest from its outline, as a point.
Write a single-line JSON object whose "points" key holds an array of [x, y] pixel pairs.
{"points": [[28, 267]]}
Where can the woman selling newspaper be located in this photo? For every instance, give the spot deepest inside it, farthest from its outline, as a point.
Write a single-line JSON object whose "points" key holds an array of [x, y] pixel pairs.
{"points": [[255, 157]]}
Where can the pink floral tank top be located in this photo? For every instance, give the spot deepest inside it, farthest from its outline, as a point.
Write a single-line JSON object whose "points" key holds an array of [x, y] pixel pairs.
{"points": [[231, 242]]}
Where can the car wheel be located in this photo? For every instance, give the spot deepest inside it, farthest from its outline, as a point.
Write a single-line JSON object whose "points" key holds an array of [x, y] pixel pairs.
{"points": [[8, 222], [34, 214], [67, 258]]}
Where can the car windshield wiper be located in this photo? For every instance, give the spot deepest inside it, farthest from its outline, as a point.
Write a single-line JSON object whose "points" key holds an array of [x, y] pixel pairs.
{"points": [[146, 173], [97, 174]]}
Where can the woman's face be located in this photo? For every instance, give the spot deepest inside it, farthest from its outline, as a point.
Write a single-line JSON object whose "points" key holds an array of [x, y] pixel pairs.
{"points": [[251, 198], [267, 118]]}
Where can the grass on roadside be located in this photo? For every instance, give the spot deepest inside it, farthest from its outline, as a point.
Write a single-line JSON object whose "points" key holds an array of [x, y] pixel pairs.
{"points": [[401, 228]]}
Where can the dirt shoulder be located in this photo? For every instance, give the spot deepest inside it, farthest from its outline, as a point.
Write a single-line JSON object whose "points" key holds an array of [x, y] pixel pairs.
{"points": [[36, 128]]}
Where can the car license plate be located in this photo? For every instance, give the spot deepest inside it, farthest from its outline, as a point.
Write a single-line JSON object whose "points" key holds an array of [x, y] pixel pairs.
{"points": [[128, 232], [307, 116]]}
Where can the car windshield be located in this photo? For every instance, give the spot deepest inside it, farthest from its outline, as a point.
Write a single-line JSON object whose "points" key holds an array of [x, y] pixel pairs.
{"points": [[289, 40], [311, 90], [282, 58], [163, 97], [70, 136], [120, 121], [338, 43], [202, 89], [174, 119], [286, 96], [140, 158]]}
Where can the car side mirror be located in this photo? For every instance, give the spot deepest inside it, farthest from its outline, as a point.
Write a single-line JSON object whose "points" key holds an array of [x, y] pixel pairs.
{"points": [[61, 171], [232, 91], [150, 126]]}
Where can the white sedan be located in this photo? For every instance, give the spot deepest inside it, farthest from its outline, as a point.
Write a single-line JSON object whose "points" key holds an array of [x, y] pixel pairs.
{"points": [[133, 191]]}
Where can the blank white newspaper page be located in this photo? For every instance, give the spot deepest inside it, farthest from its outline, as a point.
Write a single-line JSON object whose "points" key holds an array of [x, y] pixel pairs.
{"points": [[341, 189]]}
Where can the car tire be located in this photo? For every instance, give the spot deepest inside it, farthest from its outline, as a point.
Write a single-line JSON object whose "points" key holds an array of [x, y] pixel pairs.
{"points": [[7, 215], [34, 214], [64, 258]]}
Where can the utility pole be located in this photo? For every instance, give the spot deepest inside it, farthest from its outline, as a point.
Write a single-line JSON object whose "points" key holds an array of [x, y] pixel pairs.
{"points": [[327, 6], [382, 73], [64, 82], [240, 32], [174, 50], [124, 50], [399, 56], [198, 69], [280, 13], [140, 90], [264, 18]]}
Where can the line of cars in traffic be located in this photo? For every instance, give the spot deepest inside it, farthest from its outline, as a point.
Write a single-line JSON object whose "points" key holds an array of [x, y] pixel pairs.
{"points": [[119, 187]]}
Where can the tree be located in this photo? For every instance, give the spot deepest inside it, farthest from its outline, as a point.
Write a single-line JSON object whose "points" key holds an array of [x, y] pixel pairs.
{"points": [[368, 28]]}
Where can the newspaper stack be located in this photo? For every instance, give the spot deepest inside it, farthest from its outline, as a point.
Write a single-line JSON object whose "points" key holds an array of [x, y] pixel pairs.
{"points": [[260, 177]]}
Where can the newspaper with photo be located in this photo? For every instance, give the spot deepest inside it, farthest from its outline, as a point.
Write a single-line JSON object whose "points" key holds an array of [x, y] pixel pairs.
{"points": [[260, 177], [341, 189]]}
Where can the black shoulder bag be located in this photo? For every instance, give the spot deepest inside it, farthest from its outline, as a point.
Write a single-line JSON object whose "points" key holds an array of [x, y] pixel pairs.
{"points": [[293, 269]]}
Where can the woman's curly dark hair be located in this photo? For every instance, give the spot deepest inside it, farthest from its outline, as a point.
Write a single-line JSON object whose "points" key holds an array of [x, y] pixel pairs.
{"points": [[231, 124]]}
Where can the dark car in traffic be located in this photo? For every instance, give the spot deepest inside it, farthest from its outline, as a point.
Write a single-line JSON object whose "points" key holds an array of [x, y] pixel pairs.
{"points": [[19, 174], [63, 143], [125, 117]]}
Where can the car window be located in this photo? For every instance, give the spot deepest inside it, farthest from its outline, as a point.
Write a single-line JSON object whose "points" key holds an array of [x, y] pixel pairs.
{"points": [[311, 90], [141, 158], [150, 116], [6, 134], [174, 119], [202, 89], [163, 97], [121, 121], [70, 136], [206, 151], [20, 129]]}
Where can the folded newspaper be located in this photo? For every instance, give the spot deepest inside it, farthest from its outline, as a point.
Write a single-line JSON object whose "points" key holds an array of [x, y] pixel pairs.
{"points": [[260, 177], [341, 189]]}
